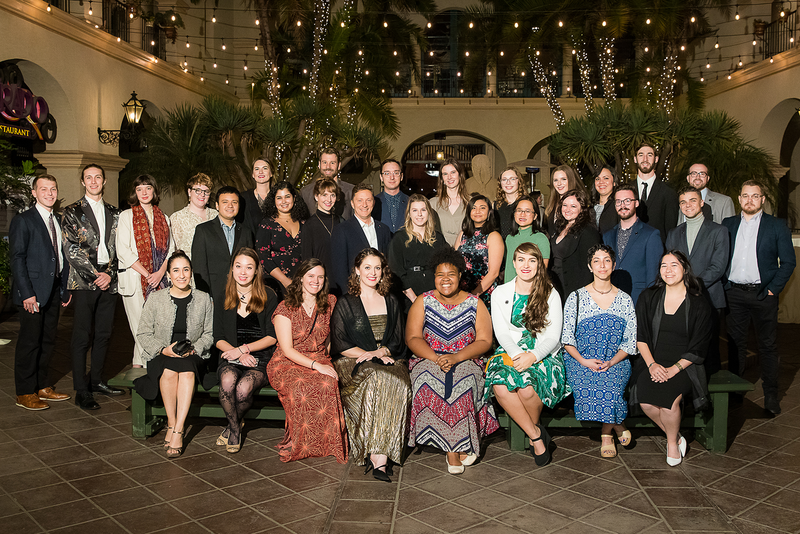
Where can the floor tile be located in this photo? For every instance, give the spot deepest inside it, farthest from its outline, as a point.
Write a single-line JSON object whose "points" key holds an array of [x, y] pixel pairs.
{"points": [[158, 517], [449, 516], [303, 480], [64, 515], [112, 482], [43, 497], [532, 518], [256, 491], [694, 519], [364, 511], [127, 500], [772, 516], [288, 509], [375, 491]]}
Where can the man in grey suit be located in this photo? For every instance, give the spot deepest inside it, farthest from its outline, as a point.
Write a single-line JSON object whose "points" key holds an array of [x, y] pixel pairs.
{"points": [[721, 206], [707, 245]]}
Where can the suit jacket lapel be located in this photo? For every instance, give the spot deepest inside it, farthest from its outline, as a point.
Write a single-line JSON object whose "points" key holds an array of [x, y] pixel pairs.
{"points": [[109, 223], [632, 239], [87, 210], [220, 234], [361, 234]]}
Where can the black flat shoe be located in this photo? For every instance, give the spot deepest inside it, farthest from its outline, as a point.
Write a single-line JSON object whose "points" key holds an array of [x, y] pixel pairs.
{"points": [[86, 401], [544, 458], [377, 474], [106, 390]]}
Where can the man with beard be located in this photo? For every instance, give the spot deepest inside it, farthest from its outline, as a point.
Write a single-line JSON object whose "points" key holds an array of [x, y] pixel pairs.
{"points": [[329, 167], [705, 244], [658, 205], [717, 205], [762, 260], [637, 245]]}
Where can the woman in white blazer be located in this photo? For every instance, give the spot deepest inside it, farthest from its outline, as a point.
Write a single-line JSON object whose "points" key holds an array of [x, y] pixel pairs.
{"points": [[144, 242], [527, 369]]}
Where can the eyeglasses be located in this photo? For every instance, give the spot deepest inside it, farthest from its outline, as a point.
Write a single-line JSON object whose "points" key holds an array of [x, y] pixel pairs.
{"points": [[392, 173], [624, 202], [524, 212], [754, 196], [201, 192], [508, 180], [695, 174]]}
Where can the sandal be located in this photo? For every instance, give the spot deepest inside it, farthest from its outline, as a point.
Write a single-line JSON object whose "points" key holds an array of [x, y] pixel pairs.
{"points": [[174, 452], [608, 451], [166, 441], [625, 438], [222, 440]]}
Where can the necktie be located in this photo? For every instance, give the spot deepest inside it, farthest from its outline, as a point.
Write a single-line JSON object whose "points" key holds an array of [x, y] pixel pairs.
{"points": [[644, 192], [55, 242]]}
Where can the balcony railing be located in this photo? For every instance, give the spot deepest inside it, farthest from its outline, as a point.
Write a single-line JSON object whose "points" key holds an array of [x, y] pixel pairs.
{"points": [[154, 41], [116, 20], [779, 35]]}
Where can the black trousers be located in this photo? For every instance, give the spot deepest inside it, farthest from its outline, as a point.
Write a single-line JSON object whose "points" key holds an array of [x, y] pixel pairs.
{"points": [[744, 307], [91, 308], [35, 344]]}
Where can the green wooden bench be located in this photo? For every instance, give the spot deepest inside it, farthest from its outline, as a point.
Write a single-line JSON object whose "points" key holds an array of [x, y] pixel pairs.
{"points": [[147, 417], [711, 426]]}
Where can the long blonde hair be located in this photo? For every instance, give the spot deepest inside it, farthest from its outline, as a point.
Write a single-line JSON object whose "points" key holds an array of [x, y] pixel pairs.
{"points": [[442, 199], [429, 237], [521, 192]]}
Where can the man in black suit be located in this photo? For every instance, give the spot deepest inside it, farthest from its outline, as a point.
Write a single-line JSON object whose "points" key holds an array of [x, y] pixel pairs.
{"points": [[762, 260], [658, 203], [90, 230], [354, 235], [707, 246], [214, 244], [40, 274]]}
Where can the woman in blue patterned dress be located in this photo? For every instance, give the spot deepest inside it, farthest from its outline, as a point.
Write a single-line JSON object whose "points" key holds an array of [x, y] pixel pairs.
{"points": [[599, 334], [482, 248], [448, 330], [527, 370]]}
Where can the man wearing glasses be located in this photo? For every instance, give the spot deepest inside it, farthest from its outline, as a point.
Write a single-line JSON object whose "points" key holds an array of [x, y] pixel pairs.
{"points": [[390, 204], [329, 167], [184, 221], [720, 206], [762, 260], [637, 245]]}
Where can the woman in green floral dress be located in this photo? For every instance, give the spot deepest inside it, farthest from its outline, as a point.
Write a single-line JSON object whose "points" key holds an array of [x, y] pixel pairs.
{"points": [[527, 370]]}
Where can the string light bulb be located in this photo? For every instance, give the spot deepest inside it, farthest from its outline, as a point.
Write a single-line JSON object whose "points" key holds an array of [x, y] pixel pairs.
{"points": [[647, 21], [708, 65], [736, 16], [429, 25], [90, 7], [646, 48], [385, 24], [693, 19], [342, 24], [256, 46], [770, 59], [740, 61], [173, 18], [716, 45], [604, 24], [471, 25], [299, 23], [258, 22], [754, 42], [214, 16], [215, 63], [187, 42], [49, 9], [185, 63], [501, 53], [227, 81], [223, 44], [783, 11], [516, 24], [395, 52], [560, 23]]}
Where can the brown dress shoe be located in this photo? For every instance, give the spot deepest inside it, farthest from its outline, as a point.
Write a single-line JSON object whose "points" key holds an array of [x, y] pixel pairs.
{"points": [[31, 402], [49, 394]]}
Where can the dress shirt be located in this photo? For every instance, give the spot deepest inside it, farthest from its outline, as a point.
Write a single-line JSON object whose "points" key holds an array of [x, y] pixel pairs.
{"points": [[744, 264], [623, 236], [370, 232], [230, 233], [650, 182], [703, 193], [99, 210], [396, 219], [46, 218]]}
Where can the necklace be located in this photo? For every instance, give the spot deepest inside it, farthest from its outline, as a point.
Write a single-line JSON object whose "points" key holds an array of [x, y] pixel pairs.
{"points": [[602, 292], [309, 309], [243, 296], [324, 225]]}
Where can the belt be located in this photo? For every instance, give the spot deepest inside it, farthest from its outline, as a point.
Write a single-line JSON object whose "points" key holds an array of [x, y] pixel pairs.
{"points": [[417, 269], [121, 270], [746, 287]]}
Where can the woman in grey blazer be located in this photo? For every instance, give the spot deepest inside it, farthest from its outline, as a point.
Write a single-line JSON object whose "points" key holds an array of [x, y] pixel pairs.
{"points": [[171, 316]]}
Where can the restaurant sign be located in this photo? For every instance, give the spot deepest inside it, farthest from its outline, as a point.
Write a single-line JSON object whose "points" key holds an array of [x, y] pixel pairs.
{"points": [[23, 115]]}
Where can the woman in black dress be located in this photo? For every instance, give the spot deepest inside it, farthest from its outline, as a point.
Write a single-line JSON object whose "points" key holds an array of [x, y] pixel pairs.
{"points": [[575, 235], [563, 179], [413, 245], [674, 331], [246, 339], [171, 316], [278, 235], [605, 214], [318, 229]]}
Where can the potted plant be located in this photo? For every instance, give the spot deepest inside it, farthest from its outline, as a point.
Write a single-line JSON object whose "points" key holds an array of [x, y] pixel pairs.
{"points": [[169, 21]]}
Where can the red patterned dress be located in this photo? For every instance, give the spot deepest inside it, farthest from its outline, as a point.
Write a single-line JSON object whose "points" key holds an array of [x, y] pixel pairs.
{"points": [[448, 410], [315, 425]]}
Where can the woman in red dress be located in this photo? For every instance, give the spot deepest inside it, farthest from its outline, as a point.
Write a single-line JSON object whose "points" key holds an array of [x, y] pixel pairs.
{"points": [[301, 370]]}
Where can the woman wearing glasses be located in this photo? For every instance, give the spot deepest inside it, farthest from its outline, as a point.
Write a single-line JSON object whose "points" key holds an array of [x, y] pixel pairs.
{"points": [[184, 221], [510, 189], [524, 229]]}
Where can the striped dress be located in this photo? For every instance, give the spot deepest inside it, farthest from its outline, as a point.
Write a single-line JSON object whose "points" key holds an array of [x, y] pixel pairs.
{"points": [[448, 410]]}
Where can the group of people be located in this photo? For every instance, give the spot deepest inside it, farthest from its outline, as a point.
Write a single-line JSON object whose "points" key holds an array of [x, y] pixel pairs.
{"points": [[386, 320]]}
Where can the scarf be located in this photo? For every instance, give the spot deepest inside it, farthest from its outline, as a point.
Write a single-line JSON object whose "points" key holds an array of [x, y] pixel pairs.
{"points": [[151, 255]]}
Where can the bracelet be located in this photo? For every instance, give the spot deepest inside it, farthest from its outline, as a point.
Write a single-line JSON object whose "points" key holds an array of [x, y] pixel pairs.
{"points": [[240, 350], [678, 365], [247, 347], [312, 364], [651, 365]]}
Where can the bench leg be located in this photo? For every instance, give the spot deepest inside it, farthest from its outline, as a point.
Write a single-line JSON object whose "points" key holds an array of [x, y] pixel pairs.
{"points": [[515, 436], [714, 436], [143, 422]]}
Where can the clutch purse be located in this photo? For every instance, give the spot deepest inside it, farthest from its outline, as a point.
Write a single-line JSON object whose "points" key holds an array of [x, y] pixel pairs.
{"points": [[183, 348]]}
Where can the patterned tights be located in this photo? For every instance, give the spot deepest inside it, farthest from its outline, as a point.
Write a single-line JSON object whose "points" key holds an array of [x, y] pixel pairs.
{"points": [[236, 387]]}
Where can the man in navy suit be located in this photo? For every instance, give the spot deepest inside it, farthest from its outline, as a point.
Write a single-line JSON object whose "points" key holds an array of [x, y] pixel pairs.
{"points": [[658, 205], [762, 260], [40, 274], [637, 245], [390, 204], [354, 235]]}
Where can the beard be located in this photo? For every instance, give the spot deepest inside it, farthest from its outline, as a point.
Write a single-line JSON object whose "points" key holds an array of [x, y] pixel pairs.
{"points": [[645, 168]]}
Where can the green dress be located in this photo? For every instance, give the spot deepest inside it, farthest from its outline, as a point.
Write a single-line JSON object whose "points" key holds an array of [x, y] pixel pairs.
{"points": [[547, 377]]}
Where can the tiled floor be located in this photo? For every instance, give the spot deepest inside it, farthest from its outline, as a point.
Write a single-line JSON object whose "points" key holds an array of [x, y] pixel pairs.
{"points": [[66, 470]]}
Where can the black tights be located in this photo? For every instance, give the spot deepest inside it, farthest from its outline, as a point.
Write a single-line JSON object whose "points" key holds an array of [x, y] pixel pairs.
{"points": [[236, 387]]}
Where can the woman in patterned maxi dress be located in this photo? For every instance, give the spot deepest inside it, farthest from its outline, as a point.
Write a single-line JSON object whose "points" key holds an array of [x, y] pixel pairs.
{"points": [[482, 248], [527, 370], [301, 370], [599, 334], [448, 331]]}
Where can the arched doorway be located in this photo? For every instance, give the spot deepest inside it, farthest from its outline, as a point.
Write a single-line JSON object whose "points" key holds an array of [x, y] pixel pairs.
{"points": [[780, 134]]}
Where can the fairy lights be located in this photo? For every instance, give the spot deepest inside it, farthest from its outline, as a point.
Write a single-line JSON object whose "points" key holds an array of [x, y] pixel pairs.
{"points": [[214, 17]]}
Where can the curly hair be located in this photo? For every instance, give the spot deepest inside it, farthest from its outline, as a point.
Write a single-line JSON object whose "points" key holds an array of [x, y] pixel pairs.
{"points": [[299, 209], [693, 285], [584, 217], [468, 225], [200, 179], [258, 294], [537, 309], [501, 195], [594, 249], [294, 293], [450, 256], [354, 282]]}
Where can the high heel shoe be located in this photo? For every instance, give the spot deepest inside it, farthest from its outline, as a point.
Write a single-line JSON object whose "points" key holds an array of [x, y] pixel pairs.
{"points": [[222, 440], [174, 452], [166, 441], [377, 474], [682, 446], [544, 458]]}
